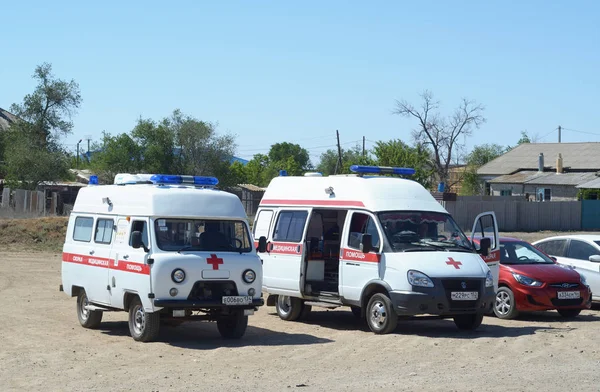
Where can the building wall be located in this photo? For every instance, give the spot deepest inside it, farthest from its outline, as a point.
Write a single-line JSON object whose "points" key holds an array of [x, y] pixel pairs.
{"points": [[558, 192]]}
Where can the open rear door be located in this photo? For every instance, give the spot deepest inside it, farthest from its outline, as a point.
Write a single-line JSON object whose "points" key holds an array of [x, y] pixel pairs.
{"points": [[486, 225]]}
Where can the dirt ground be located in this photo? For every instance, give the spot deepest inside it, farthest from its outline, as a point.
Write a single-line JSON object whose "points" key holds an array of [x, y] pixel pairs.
{"points": [[42, 347]]}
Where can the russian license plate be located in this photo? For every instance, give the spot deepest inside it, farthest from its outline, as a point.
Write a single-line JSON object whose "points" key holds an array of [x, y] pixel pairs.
{"points": [[569, 295], [464, 295], [237, 300]]}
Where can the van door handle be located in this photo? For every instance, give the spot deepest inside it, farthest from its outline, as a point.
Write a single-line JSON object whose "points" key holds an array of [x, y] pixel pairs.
{"points": [[125, 257], [92, 252], [353, 264]]}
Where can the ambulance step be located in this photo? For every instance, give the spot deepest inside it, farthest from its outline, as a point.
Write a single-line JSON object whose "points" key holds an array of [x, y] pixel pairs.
{"points": [[327, 305], [100, 308]]}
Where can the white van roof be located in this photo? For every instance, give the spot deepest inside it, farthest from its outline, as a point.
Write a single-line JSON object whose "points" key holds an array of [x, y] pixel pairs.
{"points": [[159, 201], [351, 191]]}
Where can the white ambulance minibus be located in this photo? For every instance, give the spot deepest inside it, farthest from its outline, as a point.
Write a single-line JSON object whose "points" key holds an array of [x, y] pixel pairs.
{"points": [[165, 248], [381, 245]]}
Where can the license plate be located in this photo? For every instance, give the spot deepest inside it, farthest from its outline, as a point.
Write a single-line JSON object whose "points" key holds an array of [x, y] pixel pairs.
{"points": [[569, 295], [464, 295], [237, 300]]}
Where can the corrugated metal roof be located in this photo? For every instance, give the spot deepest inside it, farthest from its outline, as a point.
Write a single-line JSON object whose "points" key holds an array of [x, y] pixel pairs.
{"points": [[545, 178], [577, 156], [252, 188], [594, 184]]}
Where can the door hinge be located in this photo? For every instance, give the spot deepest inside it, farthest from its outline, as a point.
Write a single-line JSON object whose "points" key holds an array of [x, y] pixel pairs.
{"points": [[108, 287], [151, 295], [150, 261]]}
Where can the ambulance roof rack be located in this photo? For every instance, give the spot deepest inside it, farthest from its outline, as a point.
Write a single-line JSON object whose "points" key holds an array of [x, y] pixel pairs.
{"points": [[404, 171]]}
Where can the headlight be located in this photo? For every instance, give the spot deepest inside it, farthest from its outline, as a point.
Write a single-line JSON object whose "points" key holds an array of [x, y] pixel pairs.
{"points": [[417, 278], [527, 281], [249, 276], [583, 281], [178, 275], [489, 279]]}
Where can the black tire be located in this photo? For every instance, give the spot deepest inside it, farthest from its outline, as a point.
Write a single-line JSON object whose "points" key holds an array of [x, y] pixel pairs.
{"points": [[381, 316], [569, 313], [469, 322], [357, 312], [288, 308], [505, 306], [305, 312], [87, 318], [233, 327], [143, 327]]}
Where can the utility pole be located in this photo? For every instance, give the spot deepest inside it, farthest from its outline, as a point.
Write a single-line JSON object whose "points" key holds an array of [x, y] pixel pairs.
{"points": [[339, 165], [363, 152], [559, 129], [88, 138], [77, 165]]}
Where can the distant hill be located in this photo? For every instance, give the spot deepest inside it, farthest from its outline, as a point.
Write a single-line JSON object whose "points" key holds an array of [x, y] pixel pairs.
{"points": [[6, 119]]}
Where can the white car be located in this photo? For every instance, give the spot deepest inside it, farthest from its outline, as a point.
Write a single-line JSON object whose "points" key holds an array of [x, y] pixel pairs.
{"points": [[582, 252]]}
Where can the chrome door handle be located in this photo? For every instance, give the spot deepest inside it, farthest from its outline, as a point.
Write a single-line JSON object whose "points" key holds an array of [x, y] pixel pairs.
{"points": [[92, 252]]}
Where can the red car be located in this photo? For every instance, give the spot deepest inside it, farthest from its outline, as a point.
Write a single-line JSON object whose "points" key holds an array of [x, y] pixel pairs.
{"points": [[531, 281]]}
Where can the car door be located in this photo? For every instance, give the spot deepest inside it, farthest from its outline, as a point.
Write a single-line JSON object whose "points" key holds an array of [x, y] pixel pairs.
{"points": [[556, 248], [578, 256], [100, 256], [486, 225], [357, 267]]}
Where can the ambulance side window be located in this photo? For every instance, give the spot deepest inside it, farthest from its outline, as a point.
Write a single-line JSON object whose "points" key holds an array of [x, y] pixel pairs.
{"points": [[359, 225], [290, 226], [104, 231], [140, 226], [83, 229], [263, 224]]}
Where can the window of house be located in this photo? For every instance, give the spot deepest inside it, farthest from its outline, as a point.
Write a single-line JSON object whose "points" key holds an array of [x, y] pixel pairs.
{"points": [[544, 194], [83, 229], [290, 226], [104, 231], [506, 192]]}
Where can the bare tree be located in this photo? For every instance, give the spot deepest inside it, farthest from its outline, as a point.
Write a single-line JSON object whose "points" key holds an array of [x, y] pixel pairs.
{"points": [[445, 135]]}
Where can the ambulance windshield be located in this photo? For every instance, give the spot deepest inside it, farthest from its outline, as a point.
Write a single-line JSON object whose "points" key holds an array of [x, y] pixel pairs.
{"points": [[423, 231], [202, 235]]}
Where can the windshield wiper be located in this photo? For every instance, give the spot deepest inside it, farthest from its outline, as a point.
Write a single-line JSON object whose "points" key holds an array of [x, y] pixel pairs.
{"points": [[189, 247], [456, 244]]}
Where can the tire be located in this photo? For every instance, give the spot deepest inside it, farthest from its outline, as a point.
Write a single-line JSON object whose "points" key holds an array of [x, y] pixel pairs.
{"points": [[356, 311], [233, 327], [468, 322], [569, 313], [305, 312], [87, 318], [381, 317], [505, 306], [288, 308], [143, 327]]}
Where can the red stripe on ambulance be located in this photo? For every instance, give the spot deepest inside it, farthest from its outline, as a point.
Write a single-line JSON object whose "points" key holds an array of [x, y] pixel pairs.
{"points": [[102, 262], [357, 255], [492, 257], [285, 248], [329, 203]]}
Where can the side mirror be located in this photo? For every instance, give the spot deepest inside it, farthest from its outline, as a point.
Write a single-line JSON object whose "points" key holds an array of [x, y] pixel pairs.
{"points": [[262, 245], [484, 246], [595, 258], [366, 243], [554, 258], [136, 241]]}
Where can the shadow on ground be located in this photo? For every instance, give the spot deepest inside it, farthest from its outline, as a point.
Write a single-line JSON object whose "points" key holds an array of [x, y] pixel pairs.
{"points": [[205, 336]]}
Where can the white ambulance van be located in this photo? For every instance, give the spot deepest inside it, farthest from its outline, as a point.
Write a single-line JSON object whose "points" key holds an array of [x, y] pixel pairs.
{"points": [[381, 245], [165, 248]]}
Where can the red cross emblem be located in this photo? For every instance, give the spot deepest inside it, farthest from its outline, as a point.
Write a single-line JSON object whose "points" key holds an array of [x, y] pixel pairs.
{"points": [[453, 263], [214, 261]]}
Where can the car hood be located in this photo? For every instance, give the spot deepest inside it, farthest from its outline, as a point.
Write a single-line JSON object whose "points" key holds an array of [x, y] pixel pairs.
{"points": [[544, 272]]}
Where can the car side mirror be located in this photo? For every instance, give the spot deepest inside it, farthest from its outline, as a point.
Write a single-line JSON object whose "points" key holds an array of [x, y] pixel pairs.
{"points": [[262, 245], [366, 243], [136, 241], [554, 258], [484, 246], [595, 258]]}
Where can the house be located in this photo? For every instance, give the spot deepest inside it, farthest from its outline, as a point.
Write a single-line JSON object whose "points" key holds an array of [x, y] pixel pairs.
{"points": [[542, 171]]}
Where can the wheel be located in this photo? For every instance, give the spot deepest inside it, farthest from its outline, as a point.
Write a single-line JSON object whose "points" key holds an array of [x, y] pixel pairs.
{"points": [[233, 327], [356, 311], [288, 308], [381, 315], [468, 321], [305, 312], [505, 306], [143, 326], [87, 318], [569, 313]]}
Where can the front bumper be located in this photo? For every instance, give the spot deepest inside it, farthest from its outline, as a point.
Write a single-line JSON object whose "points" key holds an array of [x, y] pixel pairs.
{"points": [[531, 299], [203, 304], [437, 300]]}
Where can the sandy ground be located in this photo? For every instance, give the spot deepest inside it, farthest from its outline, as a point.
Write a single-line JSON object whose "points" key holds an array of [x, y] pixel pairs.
{"points": [[42, 347]]}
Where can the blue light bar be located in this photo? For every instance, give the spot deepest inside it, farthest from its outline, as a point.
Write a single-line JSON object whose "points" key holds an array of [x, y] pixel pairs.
{"points": [[174, 179], [405, 171], [283, 173], [93, 180]]}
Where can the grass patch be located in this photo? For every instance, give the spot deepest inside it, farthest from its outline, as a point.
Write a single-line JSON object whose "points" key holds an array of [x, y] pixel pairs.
{"points": [[40, 234]]}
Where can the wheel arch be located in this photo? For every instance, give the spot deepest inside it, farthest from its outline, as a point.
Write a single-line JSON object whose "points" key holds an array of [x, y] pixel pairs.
{"points": [[373, 287]]}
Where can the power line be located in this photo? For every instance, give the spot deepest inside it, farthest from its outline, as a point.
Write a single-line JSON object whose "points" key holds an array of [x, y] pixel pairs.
{"points": [[551, 132], [584, 132]]}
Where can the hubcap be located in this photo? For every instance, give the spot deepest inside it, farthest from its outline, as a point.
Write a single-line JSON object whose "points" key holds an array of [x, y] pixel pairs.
{"points": [[285, 304], [84, 312], [503, 304], [378, 314], [139, 320]]}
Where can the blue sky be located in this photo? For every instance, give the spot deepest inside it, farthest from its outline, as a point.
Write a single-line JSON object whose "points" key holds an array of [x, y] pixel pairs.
{"points": [[271, 71]]}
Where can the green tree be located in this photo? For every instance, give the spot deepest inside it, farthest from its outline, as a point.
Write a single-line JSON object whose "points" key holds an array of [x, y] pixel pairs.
{"points": [[352, 156], [291, 157], [524, 138], [480, 155], [119, 154], [156, 143], [396, 153]]}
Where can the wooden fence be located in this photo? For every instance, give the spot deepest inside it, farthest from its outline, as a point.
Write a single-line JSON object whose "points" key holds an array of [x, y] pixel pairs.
{"points": [[23, 202]]}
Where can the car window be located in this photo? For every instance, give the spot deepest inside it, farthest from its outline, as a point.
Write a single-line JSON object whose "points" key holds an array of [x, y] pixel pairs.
{"points": [[553, 247], [581, 250], [104, 231], [290, 226], [139, 226], [83, 229], [359, 225]]}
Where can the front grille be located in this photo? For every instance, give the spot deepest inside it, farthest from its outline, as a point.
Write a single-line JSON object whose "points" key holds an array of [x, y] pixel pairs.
{"points": [[564, 285], [457, 285], [566, 302], [206, 290]]}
